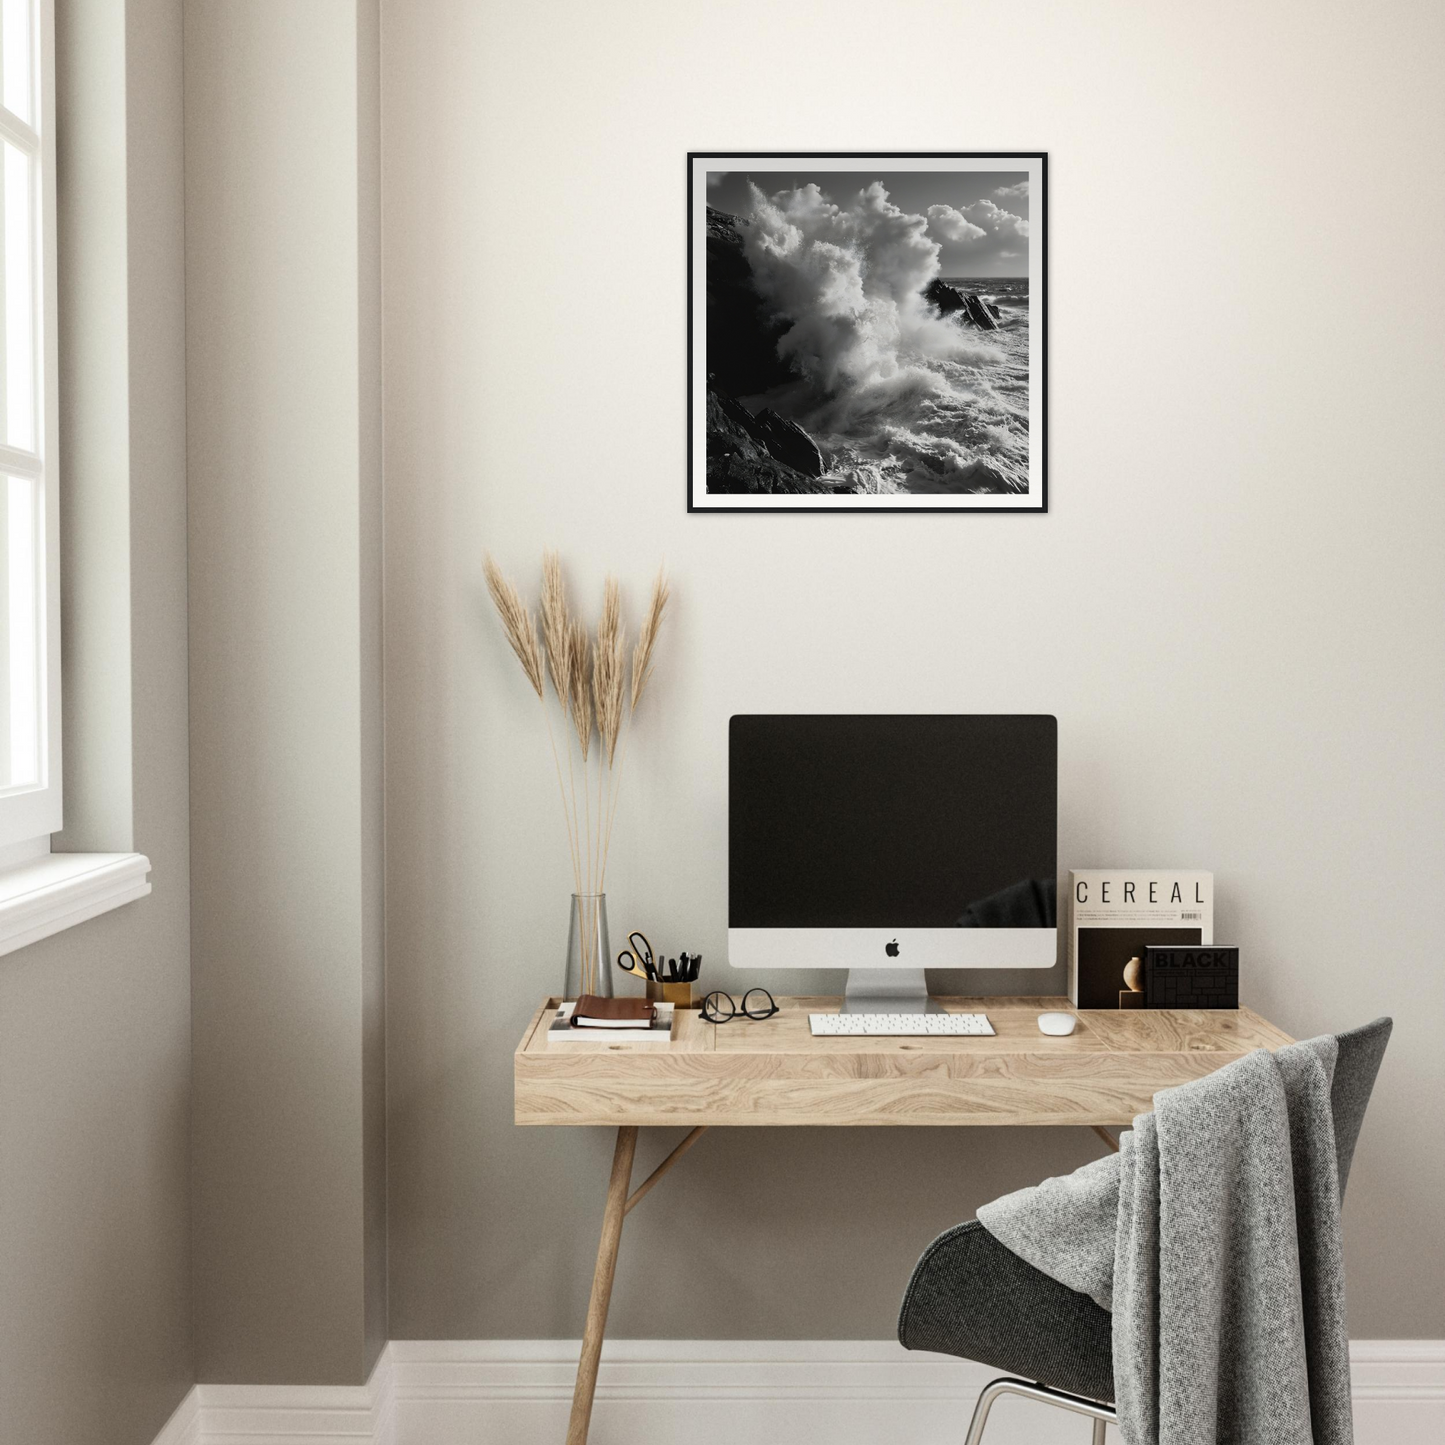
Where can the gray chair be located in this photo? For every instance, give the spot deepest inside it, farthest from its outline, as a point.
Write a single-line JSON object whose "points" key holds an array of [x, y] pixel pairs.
{"points": [[972, 1297]]}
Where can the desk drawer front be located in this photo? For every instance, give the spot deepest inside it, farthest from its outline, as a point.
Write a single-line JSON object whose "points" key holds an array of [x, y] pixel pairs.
{"points": [[902, 1088]]}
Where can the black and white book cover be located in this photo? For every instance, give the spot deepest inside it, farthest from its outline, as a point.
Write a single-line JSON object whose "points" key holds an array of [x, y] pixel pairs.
{"points": [[1115, 913]]}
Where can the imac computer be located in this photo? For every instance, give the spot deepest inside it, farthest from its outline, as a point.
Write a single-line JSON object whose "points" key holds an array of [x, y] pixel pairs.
{"points": [[890, 844]]}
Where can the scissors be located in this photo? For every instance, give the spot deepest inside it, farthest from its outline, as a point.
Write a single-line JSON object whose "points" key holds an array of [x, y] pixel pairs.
{"points": [[637, 958]]}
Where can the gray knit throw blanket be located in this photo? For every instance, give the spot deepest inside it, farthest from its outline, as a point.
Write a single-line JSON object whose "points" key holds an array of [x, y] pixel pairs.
{"points": [[1214, 1237]]}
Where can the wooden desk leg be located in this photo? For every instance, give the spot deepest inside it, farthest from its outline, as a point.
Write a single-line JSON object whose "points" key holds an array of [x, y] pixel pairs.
{"points": [[612, 1216], [640, 1193]]}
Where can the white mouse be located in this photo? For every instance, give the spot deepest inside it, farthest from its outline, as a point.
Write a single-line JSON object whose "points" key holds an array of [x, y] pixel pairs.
{"points": [[1057, 1023]]}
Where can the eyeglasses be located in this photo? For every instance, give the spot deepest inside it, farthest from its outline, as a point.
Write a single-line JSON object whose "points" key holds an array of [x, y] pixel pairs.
{"points": [[719, 1008]]}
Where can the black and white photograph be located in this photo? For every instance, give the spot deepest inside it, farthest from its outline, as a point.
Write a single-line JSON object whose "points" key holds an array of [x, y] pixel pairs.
{"points": [[867, 332]]}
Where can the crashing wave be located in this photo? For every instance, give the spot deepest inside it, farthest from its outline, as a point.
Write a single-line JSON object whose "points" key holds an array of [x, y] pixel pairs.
{"points": [[906, 397]]}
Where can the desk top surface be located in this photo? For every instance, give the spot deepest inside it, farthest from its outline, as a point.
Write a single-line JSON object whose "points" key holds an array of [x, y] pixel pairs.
{"points": [[773, 1071]]}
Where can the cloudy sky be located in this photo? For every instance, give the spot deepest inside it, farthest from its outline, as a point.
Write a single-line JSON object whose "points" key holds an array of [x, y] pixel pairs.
{"points": [[979, 218]]}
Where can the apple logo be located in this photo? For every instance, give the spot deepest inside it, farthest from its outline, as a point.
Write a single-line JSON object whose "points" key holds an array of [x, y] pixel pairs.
{"points": [[891, 949]]}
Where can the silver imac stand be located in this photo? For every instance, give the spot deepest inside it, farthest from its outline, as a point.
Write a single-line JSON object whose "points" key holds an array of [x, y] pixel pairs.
{"points": [[887, 991]]}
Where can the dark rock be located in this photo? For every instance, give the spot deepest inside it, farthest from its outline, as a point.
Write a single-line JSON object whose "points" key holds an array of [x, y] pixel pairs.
{"points": [[742, 335], [740, 456], [787, 441], [994, 309], [947, 300], [943, 298], [978, 314]]}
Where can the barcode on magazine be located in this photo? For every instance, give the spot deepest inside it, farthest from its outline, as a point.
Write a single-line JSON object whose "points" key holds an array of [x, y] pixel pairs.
{"points": [[1196, 916]]}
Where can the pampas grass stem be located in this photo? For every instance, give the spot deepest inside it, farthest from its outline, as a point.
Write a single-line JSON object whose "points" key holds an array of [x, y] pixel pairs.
{"points": [[647, 637], [641, 673], [517, 622], [589, 681]]}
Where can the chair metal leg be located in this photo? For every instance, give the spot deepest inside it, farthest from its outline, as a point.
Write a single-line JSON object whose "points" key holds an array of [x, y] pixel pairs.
{"points": [[1100, 1414], [980, 1411]]}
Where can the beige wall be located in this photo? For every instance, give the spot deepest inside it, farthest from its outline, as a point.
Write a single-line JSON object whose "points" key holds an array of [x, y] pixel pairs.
{"points": [[282, 318], [1234, 606], [95, 1344]]}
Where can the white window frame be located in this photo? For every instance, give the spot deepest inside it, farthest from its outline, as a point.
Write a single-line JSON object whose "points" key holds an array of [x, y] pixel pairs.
{"points": [[42, 892], [29, 815]]}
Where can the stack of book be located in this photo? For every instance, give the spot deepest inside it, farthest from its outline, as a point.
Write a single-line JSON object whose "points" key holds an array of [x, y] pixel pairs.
{"points": [[1116, 914], [597, 1030]]}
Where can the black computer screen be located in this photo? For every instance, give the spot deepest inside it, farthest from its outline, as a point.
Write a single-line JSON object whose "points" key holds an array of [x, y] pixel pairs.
{"points": [[917, 821]]}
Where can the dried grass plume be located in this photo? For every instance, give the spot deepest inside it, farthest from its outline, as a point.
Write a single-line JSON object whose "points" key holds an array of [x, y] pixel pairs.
{"points": [[609, 669], [556, 634], [579, 685], [647, 637], [517, 623]]}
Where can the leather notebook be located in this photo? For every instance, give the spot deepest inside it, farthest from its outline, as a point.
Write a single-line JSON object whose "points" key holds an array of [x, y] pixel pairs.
{"points": [[593, 1012]]}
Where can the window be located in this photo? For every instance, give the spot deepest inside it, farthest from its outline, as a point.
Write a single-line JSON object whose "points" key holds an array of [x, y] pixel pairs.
{"points": [[30, 796], [41, 892]]}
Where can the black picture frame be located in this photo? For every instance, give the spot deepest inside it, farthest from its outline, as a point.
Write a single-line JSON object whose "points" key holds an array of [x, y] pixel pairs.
{"points": [[1033, 502]]}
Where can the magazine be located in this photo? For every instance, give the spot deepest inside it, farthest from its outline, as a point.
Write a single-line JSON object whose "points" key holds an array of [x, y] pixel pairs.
{"points": [[1114, 913]]}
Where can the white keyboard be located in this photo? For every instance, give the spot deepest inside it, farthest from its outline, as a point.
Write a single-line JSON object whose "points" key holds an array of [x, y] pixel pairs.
{"points": [[912, 1026]]}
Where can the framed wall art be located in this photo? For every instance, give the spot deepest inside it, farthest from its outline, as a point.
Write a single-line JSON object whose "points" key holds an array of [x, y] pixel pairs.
{"points": [[867, 332]]}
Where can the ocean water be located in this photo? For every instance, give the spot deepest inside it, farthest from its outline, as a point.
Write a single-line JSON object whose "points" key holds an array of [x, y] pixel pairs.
{"points": [[932, 418], [963, 426], [899, 398]]}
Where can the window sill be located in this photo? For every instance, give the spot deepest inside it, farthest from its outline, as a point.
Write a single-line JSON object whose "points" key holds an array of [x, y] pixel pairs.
{"points": [[60, 890]]}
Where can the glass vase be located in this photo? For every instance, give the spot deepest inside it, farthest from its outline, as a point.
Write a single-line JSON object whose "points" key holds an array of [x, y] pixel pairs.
{"points": [[589, 951]]}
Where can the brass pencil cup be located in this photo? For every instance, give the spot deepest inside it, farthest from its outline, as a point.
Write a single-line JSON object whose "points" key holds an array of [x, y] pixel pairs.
{"points": [[679, 994]]}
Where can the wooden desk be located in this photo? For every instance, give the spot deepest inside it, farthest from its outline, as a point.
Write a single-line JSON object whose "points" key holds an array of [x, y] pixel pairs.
{"points": [[770, 1072]]}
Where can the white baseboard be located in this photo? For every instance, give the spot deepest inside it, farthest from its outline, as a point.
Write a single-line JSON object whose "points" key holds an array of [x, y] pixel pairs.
{"points": [[714, 1392], [184, 1427], [288, 1414]]}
